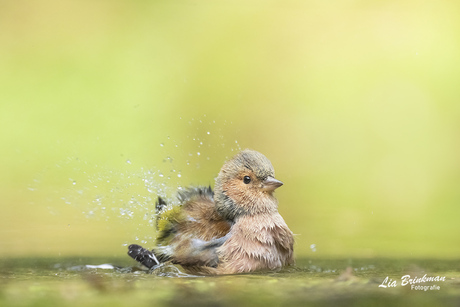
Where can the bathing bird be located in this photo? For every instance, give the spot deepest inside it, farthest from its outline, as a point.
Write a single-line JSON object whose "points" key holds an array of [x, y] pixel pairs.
{"points": [[234, 229]]}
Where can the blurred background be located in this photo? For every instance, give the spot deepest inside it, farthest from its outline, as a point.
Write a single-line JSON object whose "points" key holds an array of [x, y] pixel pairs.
{"points": [[105, 104]]}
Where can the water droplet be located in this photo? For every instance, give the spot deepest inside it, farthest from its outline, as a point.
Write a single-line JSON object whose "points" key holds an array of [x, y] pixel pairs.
{"points": [[198, 153], [128, 161], [313, 247], [179, 175], [208, 132], [162, 144], [168, 159], [74, 182], [161, 175]]}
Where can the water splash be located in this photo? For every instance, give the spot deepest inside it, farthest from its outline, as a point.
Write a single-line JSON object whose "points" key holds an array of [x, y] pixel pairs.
{"points": [[128, 194], [170, 270]]}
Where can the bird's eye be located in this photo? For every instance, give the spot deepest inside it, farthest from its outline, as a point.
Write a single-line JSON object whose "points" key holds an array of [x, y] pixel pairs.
{"points": [[246, 179]]}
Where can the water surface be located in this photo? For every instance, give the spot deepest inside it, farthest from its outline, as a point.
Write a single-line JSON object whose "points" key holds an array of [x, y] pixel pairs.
{"points": [[316, 282]]}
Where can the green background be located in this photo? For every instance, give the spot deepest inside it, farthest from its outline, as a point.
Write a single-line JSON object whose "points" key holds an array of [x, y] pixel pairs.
{"points": [[354, 102]]}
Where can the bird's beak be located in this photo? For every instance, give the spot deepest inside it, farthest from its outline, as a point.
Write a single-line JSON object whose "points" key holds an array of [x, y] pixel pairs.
{"points": [[270, 184]]}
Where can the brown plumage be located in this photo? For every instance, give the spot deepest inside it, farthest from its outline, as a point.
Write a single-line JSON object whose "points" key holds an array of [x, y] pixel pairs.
{"points": [[237, 229]]}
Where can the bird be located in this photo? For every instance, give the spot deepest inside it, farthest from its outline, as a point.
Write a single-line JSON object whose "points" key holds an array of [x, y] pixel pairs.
{"points": [[234, 229]]}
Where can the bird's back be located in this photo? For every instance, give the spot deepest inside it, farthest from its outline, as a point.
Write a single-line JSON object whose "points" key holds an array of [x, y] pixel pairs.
{"points": [[183, 228]]}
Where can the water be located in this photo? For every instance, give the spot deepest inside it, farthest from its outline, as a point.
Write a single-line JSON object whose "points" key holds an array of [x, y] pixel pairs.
{"points": [[317, 282], [126, 191]]}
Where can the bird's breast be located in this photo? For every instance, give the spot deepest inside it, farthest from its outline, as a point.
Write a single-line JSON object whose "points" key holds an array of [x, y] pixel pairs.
{"points": [[258, 242]]}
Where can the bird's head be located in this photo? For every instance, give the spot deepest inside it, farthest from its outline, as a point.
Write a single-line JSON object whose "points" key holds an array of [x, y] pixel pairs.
{"points": [[245, 185]]}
